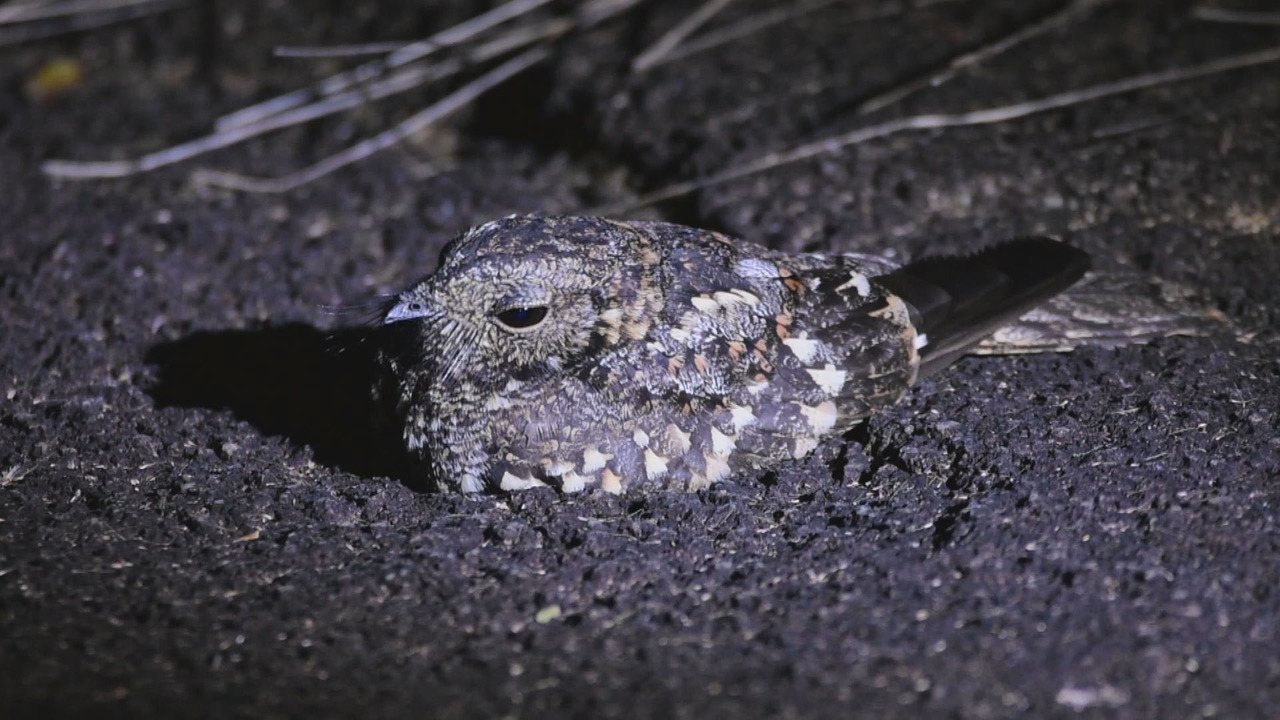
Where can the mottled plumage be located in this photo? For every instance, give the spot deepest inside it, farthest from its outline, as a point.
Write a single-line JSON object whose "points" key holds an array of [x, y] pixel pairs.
{"points": [[581, 352]]}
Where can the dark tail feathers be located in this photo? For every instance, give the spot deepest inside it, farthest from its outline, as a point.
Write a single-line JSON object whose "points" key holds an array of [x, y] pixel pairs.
{"points": [[958, 301]]}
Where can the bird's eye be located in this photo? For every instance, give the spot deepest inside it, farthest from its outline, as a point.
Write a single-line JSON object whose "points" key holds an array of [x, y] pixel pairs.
{"points": [[523, 318]]}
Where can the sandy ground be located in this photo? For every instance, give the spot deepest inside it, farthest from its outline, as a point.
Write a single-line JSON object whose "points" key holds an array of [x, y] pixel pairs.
{"points": [[196, 516]]}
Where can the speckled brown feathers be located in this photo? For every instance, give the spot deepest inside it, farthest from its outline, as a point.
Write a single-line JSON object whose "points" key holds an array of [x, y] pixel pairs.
{"points": [[585, 353]]}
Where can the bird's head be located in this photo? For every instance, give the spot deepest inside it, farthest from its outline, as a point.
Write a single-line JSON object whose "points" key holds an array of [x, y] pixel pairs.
{"points": [[526, 297]]}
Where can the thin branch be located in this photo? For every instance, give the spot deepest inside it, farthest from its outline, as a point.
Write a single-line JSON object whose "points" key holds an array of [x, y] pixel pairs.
{"points": [[275, 185], [958, 63], [676, 35], [943, 120], [510, 40], [595, 12], [464, 31], [765, 20], [52, 27], [402, 81], [338, 51], [33, 11], [519, 38], [363, 149], [1243, 17], [81, 170], [342, 81], [750, 109], [745, 27], [588, 15], [1071, 12]]}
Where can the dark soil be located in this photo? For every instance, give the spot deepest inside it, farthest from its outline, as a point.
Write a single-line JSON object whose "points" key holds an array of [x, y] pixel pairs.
{"points": [[198, 518]]}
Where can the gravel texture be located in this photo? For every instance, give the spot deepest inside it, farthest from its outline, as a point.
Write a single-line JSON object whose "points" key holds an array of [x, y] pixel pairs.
{"points": [[198, 517]]}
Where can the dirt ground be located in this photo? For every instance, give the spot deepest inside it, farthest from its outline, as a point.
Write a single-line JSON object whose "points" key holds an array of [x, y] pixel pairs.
{"points": [[197, 518]]}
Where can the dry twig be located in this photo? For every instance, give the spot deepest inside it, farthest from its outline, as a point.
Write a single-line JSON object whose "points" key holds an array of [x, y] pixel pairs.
{"points": [[339, 51], [953, 67], [677, 34], [87, 170], [345, 80], [14, 13], [32, 21], [363, 149], [1242, 17], [404, 69], [945, 120], [765, 20], [1071, 12], [402, 81]]}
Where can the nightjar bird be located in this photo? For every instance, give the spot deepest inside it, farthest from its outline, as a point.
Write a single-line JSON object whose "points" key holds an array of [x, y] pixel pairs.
{"points": [[581, 352]]}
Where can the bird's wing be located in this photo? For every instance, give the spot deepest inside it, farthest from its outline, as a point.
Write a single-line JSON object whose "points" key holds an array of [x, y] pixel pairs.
{"points": [[957, 301], [775, 353], [1107, 310]]}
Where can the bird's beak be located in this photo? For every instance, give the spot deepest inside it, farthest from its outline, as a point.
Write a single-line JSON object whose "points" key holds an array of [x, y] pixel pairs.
{"points": [[406, 309]]}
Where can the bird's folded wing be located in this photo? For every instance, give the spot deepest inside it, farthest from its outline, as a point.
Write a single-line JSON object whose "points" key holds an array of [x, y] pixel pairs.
{"points": [[1107, 310]]}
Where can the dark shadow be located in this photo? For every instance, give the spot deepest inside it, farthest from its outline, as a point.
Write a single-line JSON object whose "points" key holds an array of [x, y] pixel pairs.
{"points": [[312, 387]]}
